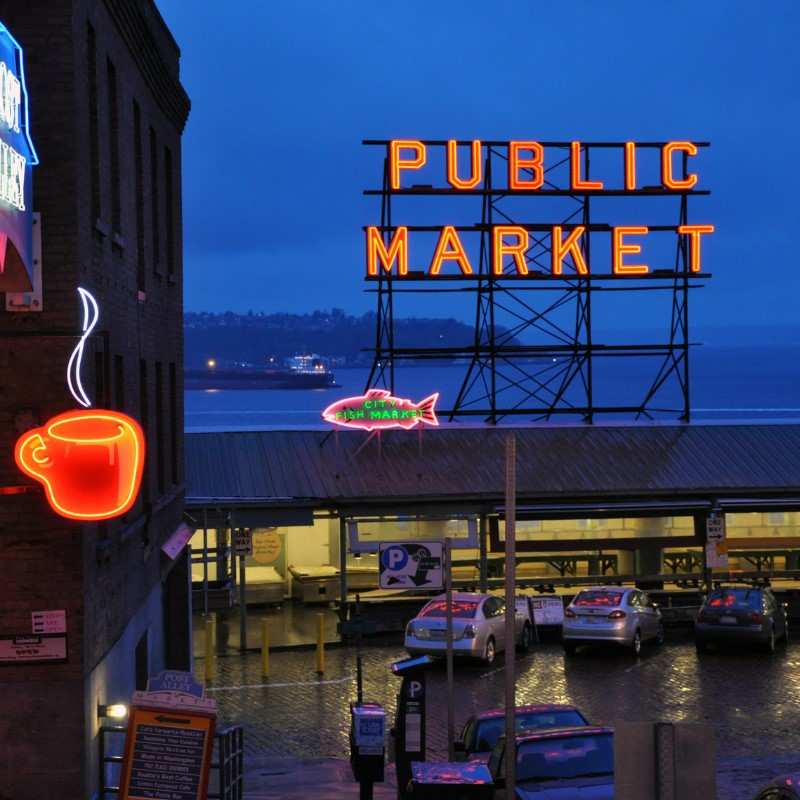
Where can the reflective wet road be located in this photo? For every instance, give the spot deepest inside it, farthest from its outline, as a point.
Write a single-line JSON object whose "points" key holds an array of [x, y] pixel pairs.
{"points": [[752, 700]]}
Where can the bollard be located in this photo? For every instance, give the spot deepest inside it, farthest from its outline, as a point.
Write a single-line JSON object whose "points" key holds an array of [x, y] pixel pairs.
{"points": [[265, 648], [209, 645], [320, 644]]}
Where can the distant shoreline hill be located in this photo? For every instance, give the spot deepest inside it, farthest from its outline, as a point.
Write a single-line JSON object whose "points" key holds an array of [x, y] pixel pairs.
{"points": [[256, 337]]}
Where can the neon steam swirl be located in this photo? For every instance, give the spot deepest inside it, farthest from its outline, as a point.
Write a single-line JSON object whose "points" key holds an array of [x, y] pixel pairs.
{"points": [[90, 317]]}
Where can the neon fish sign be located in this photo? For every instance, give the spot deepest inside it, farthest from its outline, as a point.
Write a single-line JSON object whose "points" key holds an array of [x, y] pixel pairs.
{"points": [[89, 461], [379, 410]]}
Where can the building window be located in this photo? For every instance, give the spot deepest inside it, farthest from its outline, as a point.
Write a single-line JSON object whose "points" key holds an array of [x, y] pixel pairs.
{"points": [[138, 165], [169, 216], [119, 382], [142, 662], [159, 443], [156, 218], [173, 420], [113, 139], [94, 132], [99, 379], [144, 418]]}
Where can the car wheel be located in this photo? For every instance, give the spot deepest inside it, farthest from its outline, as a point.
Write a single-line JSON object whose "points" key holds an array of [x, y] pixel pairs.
{"points": [[490, 651], [525, 638], [570, 648], [660, 633], [701, 647], [770, 644], [636, 643]]}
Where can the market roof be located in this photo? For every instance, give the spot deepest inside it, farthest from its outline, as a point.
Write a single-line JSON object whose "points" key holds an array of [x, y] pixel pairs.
{"points": [[554, 464]]}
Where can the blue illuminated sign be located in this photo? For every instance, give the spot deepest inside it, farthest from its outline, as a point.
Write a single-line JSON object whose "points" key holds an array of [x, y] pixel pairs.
{"points": [[17, 157]]}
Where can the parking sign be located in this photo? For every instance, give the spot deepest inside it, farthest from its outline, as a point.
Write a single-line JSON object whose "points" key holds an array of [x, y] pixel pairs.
{"points": [[411, 565]]}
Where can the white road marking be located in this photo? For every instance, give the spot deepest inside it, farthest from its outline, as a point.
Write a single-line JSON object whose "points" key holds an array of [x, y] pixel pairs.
{"points": [[279, 685]]}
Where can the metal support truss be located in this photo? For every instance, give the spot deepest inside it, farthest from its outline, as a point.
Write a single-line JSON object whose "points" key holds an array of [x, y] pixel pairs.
{"points": [[542, 359]]}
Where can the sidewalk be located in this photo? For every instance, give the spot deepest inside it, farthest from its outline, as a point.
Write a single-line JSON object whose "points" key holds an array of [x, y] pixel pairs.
{"points": [[321, 778]]}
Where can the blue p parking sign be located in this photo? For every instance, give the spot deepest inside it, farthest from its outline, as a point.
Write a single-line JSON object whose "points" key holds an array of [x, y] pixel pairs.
{"points": [[411, 565], [394, 557]]}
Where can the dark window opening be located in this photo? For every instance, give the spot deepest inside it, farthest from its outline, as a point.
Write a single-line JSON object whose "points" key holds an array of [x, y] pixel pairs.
{"points": [[94, 132], [156, 221], [173, 420], [144, 419], [138, 157], [142, 661], [159, 443], [169, 216], [119, 382], [113, 138]]}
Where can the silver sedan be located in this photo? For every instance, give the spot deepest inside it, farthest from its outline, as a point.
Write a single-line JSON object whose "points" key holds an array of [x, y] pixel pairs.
{"points": [[612, 614], [478, 627]]}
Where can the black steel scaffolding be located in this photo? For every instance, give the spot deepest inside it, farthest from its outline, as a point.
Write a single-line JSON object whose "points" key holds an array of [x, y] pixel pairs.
{"points": [[542, 359]]}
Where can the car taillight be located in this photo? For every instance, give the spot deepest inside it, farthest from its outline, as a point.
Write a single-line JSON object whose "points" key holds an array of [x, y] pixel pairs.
{"points": [[469, 631], [756, 617], [568, 612], [617, 615]]}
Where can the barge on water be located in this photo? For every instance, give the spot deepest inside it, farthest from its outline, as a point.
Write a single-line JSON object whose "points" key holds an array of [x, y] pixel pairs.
{"points": [[301, 372]]}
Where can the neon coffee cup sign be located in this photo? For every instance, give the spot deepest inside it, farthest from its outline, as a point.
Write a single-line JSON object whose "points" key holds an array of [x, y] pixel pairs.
{"points": [[89, 461]]}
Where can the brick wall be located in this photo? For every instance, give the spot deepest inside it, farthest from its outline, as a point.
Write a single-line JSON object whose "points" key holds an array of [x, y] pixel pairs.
{"points": [[101, 574]]}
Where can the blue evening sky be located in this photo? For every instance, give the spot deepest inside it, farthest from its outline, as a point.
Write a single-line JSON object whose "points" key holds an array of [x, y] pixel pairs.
{"points": [[283, 93]]}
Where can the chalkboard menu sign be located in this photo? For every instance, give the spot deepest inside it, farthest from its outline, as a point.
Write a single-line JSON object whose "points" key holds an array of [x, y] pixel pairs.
{"points": [[167, 753]]}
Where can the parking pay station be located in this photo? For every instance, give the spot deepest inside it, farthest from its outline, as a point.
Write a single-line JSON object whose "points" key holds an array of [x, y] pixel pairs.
{"points": [[367, 744], [409, 730]]}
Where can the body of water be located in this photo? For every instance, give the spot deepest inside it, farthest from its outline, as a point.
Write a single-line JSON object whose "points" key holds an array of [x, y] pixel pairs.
{"points": [[752, 383]]}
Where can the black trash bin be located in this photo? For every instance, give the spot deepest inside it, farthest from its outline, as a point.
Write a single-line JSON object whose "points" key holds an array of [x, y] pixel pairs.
{"points": [[450, 781]]}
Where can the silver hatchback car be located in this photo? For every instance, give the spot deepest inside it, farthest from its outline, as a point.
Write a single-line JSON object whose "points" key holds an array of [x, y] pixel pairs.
{"points": [[612, 614], [478, 627]]}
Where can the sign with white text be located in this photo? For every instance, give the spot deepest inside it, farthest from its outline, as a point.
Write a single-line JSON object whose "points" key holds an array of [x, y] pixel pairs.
{"points": [[49, 621], [17, 158], [34, 649], [411, 565]]}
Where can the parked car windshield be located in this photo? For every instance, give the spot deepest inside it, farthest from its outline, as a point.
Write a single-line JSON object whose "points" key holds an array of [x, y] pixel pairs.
{"points": [[490, 730], [603, 599], [720, 598], [463, 609], [570, 757]]}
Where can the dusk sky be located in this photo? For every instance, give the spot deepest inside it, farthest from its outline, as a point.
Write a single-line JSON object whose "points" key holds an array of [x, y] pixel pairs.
{"points": [[283, 93]]}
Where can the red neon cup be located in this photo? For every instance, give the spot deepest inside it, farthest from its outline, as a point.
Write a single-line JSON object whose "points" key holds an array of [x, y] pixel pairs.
{"points": [[89, 462]]}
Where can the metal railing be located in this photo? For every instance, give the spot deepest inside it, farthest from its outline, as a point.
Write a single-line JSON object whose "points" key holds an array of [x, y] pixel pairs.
{"points": [[226, 778]]}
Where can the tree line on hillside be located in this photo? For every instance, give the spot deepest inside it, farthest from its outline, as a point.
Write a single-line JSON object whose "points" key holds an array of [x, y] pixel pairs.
{"points": [[257, 337]]}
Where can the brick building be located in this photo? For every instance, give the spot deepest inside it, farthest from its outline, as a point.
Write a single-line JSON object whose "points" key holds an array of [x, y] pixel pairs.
{"points": [[107, 111]]}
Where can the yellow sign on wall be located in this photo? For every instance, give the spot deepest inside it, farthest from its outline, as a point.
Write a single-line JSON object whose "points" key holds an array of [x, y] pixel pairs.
{"points": [[267, 546]]}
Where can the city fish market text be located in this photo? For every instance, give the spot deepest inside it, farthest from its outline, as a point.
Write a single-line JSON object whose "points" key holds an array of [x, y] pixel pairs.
{"points": [[379, 410], [510, 245]]}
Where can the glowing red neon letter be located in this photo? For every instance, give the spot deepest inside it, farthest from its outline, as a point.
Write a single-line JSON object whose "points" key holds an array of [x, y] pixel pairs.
{"points": [[449, 248], [630, 166], [377, 251], [516, 250], [396, 162], [667, 178], [475, 166], [535, 164], [571, 246], [577, 182], [694, 232], [619, 249]]}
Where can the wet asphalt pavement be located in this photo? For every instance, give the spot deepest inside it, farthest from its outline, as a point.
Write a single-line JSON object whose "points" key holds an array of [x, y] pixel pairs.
{"points": [[752, 700]]}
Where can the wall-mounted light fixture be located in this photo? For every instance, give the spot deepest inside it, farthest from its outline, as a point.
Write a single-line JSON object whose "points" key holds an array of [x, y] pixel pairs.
{"points": [[115, 711]]}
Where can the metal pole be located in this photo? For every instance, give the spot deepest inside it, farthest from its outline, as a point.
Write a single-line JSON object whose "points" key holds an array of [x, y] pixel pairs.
{"points": [[451, 722], [482, 545], [342, 575], [242, 606], [205, 562], [510, 628]]}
